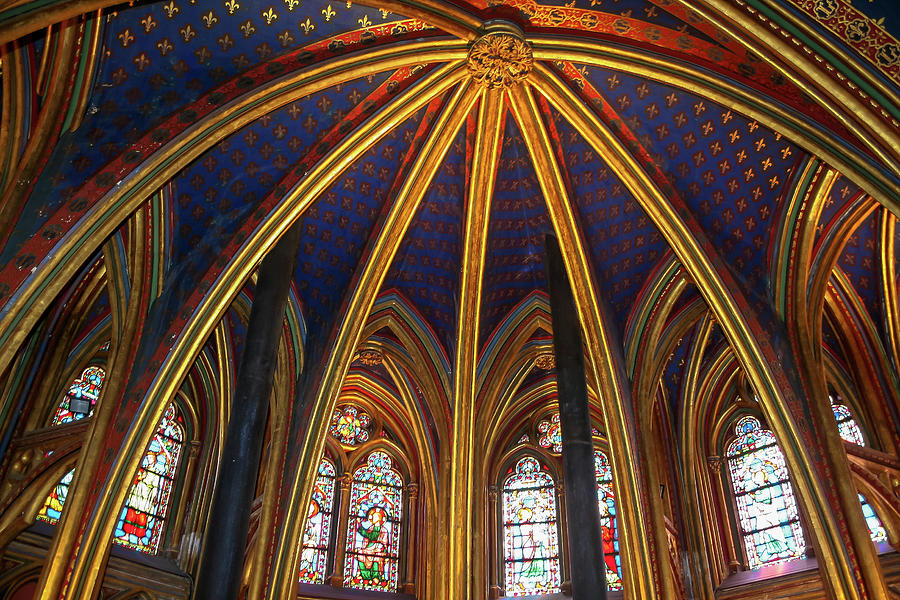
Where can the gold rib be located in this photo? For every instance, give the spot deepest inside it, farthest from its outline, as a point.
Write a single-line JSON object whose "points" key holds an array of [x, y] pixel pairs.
{"points": [[702, 269], [226, 287], [888, 265], [362, 297], [636, 554], [82, 241], [66, 543], [443, 15], [776, 50], [797, 128], [478, 201]]}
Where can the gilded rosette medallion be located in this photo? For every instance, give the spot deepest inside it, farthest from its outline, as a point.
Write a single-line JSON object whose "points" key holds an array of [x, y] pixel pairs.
{"points": [[500, 59]]}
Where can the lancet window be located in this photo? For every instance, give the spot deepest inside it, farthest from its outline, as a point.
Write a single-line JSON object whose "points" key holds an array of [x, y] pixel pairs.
{"points": [[373, 527], [144, 513], [142, 517], [530, 531], [78, 403], [876, 529], [847, 426], [852, 433], [609, 526], [358, 516], [767, 511], [314, 554]]}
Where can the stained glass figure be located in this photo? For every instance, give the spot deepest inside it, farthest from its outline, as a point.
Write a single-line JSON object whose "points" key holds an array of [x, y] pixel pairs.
{"points": [[609, 527], [314, 552], [876, 529], [551, 434], [87, 387], [768, 513], [143, 515], [350, 425], [530, 534], [847, 427], [53, 505], [373, 529]]}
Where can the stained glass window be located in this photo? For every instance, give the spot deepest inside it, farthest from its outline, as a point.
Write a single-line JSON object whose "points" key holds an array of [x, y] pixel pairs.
{"points": [[350, 425], [550, 433], [876, 529], [53, 505], [143, 515], [314, 552], [847, 427], [609, 526], [768, 513], [373, 528], [530, 535], [87, 387]]}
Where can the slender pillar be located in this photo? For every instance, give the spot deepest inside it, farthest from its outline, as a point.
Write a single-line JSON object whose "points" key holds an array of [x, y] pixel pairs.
{"points": [[586, 565], [412, 510], [494, 557], [340, 546], [225, 541]]}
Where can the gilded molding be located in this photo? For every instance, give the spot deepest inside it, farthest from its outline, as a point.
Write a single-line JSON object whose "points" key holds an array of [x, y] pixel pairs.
{"points": [[377, 261], [636, 556], [758, 37], [460, 544], [732, 316], [34, 295]]}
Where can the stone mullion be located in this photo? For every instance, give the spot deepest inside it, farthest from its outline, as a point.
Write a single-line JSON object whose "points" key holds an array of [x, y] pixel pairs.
{"points": [[341, 520]]}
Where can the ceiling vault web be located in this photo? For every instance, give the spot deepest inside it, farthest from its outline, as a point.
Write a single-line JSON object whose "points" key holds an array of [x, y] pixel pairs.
{"points": [[377, 259], [726, 301], [480, 190]]}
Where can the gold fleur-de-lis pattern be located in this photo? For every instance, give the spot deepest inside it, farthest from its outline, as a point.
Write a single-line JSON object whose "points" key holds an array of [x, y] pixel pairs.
{"points": [[171, 26]]}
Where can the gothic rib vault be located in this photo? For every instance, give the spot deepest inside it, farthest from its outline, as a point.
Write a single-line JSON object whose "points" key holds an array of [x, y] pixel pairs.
{"points": [[722, 177]]}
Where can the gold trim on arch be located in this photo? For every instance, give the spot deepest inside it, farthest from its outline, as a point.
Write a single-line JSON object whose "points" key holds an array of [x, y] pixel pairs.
{"points": [[705, 270], [637, 557], [361, 299], [207, 314], [78, 244]]}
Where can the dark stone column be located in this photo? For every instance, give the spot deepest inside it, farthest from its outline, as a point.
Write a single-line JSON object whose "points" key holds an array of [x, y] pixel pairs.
{"points": [[586, 566], [219, 575]]}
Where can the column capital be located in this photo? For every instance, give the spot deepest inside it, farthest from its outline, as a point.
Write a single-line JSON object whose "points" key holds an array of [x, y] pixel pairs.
{"points": [[412, 488]]}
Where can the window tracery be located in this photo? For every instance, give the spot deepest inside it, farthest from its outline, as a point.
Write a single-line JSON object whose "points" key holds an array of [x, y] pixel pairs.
{"points": [[350, 425], [84, 390], [767, 511], [876, 529], [373, 527], [361, 507], [530, 532], [550, 433]]}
